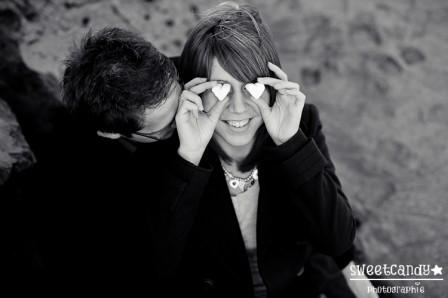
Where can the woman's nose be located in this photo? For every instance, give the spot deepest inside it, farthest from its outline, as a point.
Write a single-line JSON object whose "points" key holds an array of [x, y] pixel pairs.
{"points": [[237, 103]]}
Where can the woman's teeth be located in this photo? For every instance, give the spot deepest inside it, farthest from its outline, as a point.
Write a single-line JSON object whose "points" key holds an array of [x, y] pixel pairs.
{"points": [[238, 124]]}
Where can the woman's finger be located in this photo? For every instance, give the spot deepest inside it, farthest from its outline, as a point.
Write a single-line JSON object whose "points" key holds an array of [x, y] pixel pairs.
{"points": [[278, 71], [269, 81], [286, 85], [199, 88], [193, 97], [190, 107], [194, 81], [296, 93]]}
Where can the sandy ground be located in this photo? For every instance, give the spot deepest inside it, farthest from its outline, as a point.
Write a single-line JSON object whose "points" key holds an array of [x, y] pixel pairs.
{"points": [[377, 70]]}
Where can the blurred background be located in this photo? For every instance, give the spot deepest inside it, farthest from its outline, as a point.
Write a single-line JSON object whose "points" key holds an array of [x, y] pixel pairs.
{"points": [[376, 69]]}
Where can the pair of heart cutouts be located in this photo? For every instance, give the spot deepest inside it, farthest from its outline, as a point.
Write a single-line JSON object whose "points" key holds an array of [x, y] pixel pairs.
{"points": [[221, 90]]}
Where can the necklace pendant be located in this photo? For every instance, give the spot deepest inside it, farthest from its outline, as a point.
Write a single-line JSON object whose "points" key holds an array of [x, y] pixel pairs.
{"points": [[234, 183]]}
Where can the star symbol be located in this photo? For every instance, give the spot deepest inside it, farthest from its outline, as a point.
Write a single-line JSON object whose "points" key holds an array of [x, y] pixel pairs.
{"points": [[437, 270]]}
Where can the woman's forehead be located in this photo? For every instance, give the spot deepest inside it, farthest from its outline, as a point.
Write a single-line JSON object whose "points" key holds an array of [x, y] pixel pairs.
{"points": [[219, 73]]}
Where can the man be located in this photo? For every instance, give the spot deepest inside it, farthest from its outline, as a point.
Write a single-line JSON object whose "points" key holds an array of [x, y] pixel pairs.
{"points": [[89, 193]]}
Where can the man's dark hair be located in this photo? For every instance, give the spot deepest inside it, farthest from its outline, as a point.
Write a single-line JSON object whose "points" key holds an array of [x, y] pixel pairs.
{"points": [[112, 77]]}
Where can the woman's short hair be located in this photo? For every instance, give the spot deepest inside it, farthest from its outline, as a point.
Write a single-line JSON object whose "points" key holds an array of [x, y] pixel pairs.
{"points": [[236, 36], [112, 77]]}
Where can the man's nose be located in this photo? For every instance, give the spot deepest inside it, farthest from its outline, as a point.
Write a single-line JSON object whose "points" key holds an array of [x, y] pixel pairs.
{"points": [[237, 102]]}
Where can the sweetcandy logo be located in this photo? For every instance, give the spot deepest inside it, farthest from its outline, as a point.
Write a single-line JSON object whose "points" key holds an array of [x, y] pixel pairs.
{"points": [[394, 272]]}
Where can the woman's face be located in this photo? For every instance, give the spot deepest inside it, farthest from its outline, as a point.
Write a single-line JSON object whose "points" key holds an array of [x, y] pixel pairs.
{"points": [[240, 119]]}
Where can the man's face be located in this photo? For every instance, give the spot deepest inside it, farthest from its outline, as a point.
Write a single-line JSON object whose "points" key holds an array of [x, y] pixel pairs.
{"points": [[159, 121]]}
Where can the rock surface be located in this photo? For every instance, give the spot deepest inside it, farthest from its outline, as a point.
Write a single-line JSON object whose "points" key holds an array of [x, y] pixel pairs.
{"points": [[377, 70]]}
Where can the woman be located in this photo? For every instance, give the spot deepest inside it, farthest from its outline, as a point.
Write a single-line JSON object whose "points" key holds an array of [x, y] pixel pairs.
{"points": [[263, 198]]}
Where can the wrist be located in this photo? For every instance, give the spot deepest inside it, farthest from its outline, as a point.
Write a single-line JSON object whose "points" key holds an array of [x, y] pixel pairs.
{"points": [[278, 141], [192, 156]]}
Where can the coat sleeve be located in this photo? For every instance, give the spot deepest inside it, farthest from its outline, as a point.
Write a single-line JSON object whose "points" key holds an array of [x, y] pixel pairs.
{"points": [[181, 187], [304, 164]]}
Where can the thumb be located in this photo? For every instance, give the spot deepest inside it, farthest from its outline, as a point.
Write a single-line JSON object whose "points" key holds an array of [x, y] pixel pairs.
{"points": [[265, 109], [215, 112]]}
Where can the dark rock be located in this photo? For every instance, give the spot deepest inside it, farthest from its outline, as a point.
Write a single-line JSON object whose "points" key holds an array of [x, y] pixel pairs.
{"points": [[412, 55], [381, 86], [388, 64], [310, 76], [368, 30], [32, 97], [27, 9], [10, 19], [364, 28], [194, 9], [147, 16], [177, 43], [331, 65], [85, 21], [14, 150], [72, 4], [169, 22]]}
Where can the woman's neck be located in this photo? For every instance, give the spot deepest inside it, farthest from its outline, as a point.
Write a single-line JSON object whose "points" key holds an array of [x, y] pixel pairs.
{"points": [[236, 156], [232, 165]]}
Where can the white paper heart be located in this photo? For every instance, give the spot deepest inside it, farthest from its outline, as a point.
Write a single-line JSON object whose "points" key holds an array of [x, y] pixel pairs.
{"points": [[221, 91], [255, 89]]}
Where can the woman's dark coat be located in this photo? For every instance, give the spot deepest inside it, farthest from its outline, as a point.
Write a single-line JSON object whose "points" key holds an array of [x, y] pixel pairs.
{"points": [[302, 213]]}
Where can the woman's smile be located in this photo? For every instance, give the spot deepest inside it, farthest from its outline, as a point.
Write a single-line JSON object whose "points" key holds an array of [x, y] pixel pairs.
{"points": [[238, 125]]}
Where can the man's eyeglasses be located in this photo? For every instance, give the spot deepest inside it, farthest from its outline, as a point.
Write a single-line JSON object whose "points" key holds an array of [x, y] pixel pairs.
{"points": [[159, 135], [148, 135]]}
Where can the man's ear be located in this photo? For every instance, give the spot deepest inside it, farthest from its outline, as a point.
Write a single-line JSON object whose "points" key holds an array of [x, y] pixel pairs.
{"points": [[109, 135]]}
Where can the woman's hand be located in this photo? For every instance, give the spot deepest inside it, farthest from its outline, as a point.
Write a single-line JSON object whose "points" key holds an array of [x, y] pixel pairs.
{"points": [[282, 120], [195, 127]]}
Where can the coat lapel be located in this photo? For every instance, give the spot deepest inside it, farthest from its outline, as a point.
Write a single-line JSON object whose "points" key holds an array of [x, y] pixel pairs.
{"points": [[229, 250]]}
